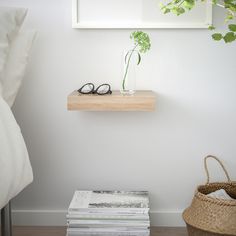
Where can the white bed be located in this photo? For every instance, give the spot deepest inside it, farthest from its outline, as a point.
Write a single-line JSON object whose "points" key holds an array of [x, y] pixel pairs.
{"points": [[15, 168], [15, 44]]}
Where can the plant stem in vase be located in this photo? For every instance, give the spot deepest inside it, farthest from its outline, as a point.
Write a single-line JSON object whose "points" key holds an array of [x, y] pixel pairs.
{"points": [[141, 45]]}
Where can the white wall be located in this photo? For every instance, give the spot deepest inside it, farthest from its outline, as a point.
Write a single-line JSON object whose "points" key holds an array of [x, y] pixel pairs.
{"points": [[161, 152]]}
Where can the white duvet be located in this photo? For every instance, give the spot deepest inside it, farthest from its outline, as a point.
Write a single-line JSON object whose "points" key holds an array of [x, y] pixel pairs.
{"points": [[15, 168]]}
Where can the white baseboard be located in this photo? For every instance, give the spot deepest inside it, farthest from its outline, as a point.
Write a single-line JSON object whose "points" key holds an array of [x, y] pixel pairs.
{"points": [[57, 218], [167, 218]]}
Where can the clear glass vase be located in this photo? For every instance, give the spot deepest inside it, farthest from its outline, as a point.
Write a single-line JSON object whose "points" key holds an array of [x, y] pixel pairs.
{"points": [[128, 82]]}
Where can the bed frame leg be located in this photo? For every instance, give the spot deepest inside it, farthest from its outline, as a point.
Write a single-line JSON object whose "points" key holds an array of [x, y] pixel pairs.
{"points": [[6, 222]]}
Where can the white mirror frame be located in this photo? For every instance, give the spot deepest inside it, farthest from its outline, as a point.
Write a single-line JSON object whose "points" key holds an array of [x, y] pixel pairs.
{"points": [[155, 25]]}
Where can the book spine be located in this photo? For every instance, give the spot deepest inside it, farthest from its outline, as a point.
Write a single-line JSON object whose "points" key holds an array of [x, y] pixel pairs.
{"points": [[113, 210], [107, 217], [107, 225], [106, 230], [109, 234]]}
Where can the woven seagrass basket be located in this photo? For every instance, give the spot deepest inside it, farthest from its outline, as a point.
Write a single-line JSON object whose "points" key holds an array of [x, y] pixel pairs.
{"points": [[208, 216]]}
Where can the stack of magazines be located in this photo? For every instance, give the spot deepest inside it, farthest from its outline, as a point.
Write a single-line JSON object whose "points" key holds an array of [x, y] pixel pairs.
{"points": [[105, 213]]}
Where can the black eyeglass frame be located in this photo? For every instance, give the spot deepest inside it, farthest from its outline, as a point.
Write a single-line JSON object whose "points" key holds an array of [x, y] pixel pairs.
{"points": [[95, 91]]}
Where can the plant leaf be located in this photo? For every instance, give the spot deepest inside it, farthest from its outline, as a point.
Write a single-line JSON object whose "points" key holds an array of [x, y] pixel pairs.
{"points": [[181, 11], [178, 10], [229, 16], [217, 36], [189, 4], [166, 10], [229, 37], [139, 58], [211, 27], [232, 27]]}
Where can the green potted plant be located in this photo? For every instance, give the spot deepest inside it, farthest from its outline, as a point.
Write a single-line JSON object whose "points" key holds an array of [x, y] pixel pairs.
{"points": [[132, 59]]}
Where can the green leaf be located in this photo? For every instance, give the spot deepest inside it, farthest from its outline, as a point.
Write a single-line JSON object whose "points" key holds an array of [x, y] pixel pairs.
{"points": [[229, 16], [139, 58], [211, 27], [166, 10], [189, 4], [178, 10], [230, 4], [229, 37], [217, 36], [181, 10], [233, 8], [232, 27], [174, 10]]}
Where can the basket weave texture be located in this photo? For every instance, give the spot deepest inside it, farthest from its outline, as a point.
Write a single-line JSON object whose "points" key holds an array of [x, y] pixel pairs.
{"points": [[211, 216], [198, 232]]}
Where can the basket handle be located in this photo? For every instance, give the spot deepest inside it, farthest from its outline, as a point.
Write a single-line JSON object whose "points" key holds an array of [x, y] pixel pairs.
{"points": [[221, 164]]}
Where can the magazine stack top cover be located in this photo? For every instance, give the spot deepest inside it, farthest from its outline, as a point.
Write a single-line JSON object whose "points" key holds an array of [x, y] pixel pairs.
{"points": [[115, 213]]}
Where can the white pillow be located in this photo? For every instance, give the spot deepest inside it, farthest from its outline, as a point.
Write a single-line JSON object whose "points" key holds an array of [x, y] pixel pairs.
{"points": [[17, 61], [11, 20]]}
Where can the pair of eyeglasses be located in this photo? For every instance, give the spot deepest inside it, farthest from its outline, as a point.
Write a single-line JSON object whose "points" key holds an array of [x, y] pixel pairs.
{"points": [[89, 88]]}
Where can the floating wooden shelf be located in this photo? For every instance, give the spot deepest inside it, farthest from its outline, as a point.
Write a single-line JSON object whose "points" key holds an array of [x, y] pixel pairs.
{"points": [[142, 100]]}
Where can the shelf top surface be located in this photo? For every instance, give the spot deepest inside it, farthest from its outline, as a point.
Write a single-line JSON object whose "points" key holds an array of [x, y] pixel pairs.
{"points": [[115, 93]]}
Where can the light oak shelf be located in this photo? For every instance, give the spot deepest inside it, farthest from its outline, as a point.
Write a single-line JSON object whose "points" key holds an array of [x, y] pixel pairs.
{"points": [[142, 100]]}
